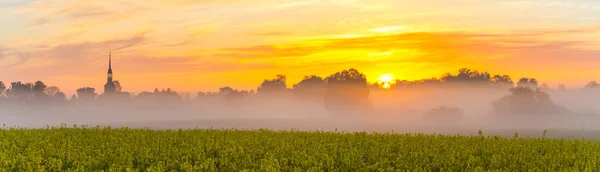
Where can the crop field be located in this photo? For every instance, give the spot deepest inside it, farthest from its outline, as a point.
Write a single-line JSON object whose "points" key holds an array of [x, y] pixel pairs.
{"points": [[126, 149]]}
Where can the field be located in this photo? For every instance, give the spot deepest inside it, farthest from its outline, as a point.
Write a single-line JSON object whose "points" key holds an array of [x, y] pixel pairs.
{"points": [[127, 149]]}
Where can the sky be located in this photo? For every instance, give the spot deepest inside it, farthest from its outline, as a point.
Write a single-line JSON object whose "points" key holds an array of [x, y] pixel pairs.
{"points": [[202, 45]]}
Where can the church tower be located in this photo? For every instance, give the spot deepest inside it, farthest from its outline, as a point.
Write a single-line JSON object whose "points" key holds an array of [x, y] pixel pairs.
{"points": [[109, 87]]}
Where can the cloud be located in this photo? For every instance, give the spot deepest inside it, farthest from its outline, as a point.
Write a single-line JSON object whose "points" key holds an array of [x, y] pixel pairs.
{"points": [[149, 64], [272, 33], [184, 64], [2, 51], [70, 51], [13, 3], [514, 48], [66, 59]]}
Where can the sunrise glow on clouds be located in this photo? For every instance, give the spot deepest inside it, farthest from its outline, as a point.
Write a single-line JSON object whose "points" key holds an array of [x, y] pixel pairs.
{"points": [[193, 45]]}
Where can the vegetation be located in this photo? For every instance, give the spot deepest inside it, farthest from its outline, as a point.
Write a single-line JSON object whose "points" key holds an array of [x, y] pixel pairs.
{"points": [[342, 93], [524, 100], [95, 149]]}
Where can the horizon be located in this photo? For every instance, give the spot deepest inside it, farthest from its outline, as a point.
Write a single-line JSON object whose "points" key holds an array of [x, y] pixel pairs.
{"points": [[383, 82], [215, 43]]}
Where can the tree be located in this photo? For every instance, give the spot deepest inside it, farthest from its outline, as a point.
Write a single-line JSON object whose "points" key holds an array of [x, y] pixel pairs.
{"points": [[86, 93], [39, 90], [225, 91], [310, 88], [2, 88], [528, 82], [163, 96], [146, 96], [59, 97], [275, 85], [431, 82], [236, 96], [118, 86], [168, 96], [524, 100], [467, 76], [52, 90], [503, 81], [231, 95], [347, 92], [591, 85], [21, 90], [201, 94]]}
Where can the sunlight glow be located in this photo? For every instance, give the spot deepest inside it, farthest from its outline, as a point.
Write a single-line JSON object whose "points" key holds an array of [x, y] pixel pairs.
{"points": [[388, 29], [386, 80], [387, 53], [386, 85]]}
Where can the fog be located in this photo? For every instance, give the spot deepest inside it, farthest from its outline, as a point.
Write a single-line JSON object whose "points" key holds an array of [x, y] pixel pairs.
{"points": [[399, 111]]}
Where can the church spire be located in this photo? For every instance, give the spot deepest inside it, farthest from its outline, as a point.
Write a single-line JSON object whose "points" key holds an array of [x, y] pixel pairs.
{"points": [[109, 61], [109, 87]]}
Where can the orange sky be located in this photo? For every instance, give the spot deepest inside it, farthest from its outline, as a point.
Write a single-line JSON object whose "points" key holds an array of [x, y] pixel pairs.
{"points": [[191, 45]]}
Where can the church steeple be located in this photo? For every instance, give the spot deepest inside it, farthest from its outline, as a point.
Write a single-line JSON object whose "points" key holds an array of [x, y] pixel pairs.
{"points": [[109, 87], [109, 63]]}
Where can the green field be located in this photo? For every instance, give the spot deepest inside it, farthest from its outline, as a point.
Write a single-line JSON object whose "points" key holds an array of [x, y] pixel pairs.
{"points": [[126, 149]]}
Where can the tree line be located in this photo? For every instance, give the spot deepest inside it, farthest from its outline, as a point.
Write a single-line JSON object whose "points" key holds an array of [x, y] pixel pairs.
{"points": [[342, 92]]}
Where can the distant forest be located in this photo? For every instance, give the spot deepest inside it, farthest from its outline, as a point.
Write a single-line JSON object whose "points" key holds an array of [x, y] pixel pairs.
{"points": [[347, 89]]}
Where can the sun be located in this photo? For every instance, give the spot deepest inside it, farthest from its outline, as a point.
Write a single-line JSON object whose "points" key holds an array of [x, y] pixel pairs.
{"points": [[386, 80]]}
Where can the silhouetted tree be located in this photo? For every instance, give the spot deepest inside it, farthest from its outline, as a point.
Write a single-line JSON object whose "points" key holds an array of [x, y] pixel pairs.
{"points": [[21, 91], [525, 100], [231, 95], [236, 96], [432, 82], [591, 85], [503, 81], [167, 96], [467, 76], [86, 93], [52, 90], [39, 91], [347, 92], [207, 96], [310, 88], [225, 91], [401, 84], [528, 82], [118, 86], [201, 94], [59, 96], [276, 85], [2, 88], [73, 98], [147, 97]]}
